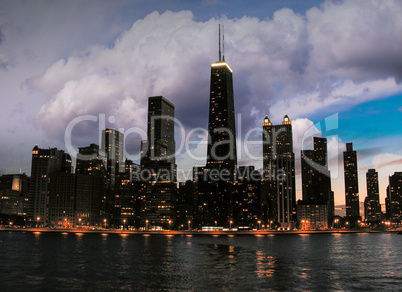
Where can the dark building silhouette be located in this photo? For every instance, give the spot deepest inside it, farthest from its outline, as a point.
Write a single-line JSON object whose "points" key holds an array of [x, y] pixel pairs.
{"points": [[372, 207], [186, 205], [158, 167], [44, 163], [394, 198], [113, 151], [316, 180], [278, 186], [351, 182], [247, 198], [215, 190]]}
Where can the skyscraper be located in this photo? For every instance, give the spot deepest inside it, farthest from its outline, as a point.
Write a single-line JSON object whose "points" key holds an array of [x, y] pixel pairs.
{"points": [[44, 162], [351, 182], [221, 126], [113, 147], [279, 173], [394, 198], [316, 184], [158, 168], [91, 194], [215, 202], [372, 207]]}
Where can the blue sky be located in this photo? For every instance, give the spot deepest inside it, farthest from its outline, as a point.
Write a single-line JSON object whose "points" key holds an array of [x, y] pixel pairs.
{"points": [[308, 59]]}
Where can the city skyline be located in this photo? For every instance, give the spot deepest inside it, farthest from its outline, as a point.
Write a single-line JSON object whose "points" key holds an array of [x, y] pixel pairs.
{"points": [[369, 106]]}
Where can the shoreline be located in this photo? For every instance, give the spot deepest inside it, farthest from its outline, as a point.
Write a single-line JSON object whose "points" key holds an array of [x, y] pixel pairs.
{"points": [[191, 232]]}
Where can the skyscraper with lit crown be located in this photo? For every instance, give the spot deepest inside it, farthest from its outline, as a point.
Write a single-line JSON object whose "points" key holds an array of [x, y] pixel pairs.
{"points": [[215, 204], [278, 186]]}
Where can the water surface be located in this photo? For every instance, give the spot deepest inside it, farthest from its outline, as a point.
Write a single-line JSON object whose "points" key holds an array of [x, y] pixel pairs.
{"points": [[315, 262]]}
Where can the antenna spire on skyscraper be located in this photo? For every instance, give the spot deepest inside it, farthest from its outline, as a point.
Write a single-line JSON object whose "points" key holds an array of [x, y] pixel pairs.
{"points": [[220, 39], [223, 43]]}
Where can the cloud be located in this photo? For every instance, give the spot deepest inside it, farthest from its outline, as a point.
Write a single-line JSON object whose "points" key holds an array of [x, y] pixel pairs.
{"points": [[387, 160], [335, 56], [5, 62]]}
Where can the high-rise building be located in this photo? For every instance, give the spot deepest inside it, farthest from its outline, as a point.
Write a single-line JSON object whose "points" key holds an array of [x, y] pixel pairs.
{"points": [[278, 185], [161, 144], [351, 182], [91, 195], [113, 147], [372, 207], [394, 198], [316, 178], [44, 162], [215, 201], [221, 126], [158, 168]]}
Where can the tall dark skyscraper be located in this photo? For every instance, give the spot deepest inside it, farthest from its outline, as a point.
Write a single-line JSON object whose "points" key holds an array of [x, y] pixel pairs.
{"points": [[113, 147], [161, 144], [279, 187], [372, 207], [91, 196], [221, 125], [44, 163], [351, 181], [316, 178], [215, 201], [158, 168], [394, 198]]}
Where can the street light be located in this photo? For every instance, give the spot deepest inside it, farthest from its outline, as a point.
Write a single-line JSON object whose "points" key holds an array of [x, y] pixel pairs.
{"points": [[170, 222], [104, 220], [124, 223], [65, 223], [230, 226], [336, 222], [146, 224], [189, 224], [79, 222], [37, 221], [259, 224]]}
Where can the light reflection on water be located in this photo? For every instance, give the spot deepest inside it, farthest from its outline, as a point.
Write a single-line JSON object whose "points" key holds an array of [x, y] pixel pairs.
{"points": [[50, 261]]}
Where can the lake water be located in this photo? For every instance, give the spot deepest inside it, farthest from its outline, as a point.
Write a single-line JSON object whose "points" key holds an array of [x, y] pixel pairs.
{"points": [[95, 262]]}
